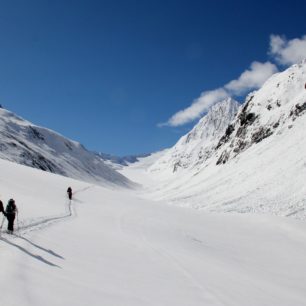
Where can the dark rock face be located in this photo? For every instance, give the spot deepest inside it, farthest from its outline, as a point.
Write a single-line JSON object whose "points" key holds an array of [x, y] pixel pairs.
{"points": [[69, 146], [244, 119], [261, 134], [244, 138], [223, 158], [230, 129], [247, 118], [176, 166], [298, 110], [240, 146], [248, 133], [34, 134], [242, 134], [276, 124], [38, 161]]}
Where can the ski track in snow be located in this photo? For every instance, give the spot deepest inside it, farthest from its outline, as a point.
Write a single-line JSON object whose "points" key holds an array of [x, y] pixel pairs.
{"points": [[25, 226], [36, 225]]}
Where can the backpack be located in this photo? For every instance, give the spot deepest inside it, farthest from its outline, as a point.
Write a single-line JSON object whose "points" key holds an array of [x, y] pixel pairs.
{"points": [[11, 207]]}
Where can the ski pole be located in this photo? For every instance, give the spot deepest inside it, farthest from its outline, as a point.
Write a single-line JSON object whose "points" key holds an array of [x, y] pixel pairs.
{"points": [[2, 221], [2, 224], [17, 221]]}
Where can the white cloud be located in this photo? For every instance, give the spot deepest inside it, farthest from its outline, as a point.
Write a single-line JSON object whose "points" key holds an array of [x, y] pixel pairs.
{"points": [[197, 108], [284, 51], [252, 78], [249, 79], [288, 52]]}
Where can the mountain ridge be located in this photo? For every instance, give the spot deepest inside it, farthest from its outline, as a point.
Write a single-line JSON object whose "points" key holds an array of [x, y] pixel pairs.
{"points": [[31, 145]]}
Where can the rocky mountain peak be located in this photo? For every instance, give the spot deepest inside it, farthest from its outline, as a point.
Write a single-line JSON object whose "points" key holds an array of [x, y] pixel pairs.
{"points": [[197, 146]]}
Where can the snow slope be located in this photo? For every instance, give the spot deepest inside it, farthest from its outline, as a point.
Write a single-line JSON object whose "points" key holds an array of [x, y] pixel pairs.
{"points": [[108, 247], [41, 148]]}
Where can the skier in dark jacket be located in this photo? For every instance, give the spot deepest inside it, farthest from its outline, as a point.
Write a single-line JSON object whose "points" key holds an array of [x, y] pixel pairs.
{"points": [[10, 212], [69, 192]]}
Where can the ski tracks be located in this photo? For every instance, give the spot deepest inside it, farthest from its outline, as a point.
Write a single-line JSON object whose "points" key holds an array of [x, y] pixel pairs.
{"points": [[26, 226], [36, 224]]}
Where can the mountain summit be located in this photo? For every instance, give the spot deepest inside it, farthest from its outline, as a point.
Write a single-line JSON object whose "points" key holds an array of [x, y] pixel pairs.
{"points": [[197, 146]]}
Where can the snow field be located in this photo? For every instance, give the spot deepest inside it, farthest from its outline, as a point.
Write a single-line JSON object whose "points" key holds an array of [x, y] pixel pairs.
{"points": [[117, 249]]}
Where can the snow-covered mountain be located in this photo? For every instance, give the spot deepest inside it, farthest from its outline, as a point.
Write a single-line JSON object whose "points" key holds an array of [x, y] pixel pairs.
{"points": [[27, 144], [257, 165], [194, 148]]}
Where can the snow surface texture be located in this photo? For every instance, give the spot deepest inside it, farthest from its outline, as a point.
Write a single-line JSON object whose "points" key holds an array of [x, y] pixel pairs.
{"points": [[108, 247], [259, 163], [41, 148]]}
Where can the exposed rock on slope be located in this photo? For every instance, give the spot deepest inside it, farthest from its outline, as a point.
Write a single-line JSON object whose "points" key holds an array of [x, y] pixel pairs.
{"points": [[270, 110]]}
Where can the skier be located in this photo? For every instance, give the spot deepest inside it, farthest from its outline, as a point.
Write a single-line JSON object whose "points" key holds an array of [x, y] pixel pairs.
{"points": [[69, 192], [10, 212], [1, 207]]}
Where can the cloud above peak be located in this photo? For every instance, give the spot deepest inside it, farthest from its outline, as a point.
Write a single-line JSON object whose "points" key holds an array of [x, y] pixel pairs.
{"points": [[287, 52], [197, 108], [252, 78], [282, 51]]}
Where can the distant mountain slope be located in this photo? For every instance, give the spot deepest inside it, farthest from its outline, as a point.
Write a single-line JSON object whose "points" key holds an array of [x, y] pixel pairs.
{"points": [[117, 162], [194, 148], [27, 144]]}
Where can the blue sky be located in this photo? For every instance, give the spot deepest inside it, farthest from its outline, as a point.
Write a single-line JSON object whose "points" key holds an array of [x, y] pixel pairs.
{"points": [[107, 73]]}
